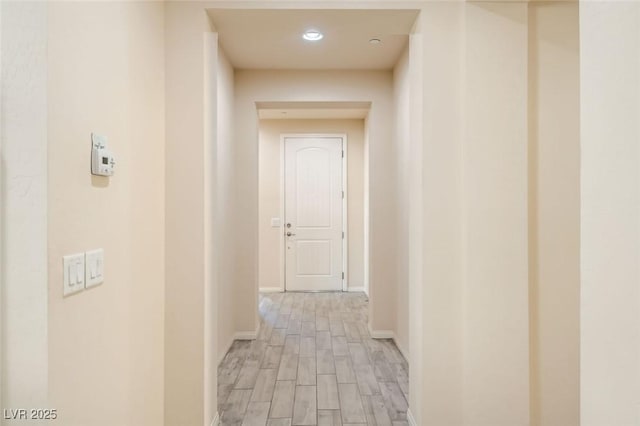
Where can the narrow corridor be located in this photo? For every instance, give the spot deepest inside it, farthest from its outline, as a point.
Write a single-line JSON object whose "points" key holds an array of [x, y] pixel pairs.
{"points": [[313, 363]]}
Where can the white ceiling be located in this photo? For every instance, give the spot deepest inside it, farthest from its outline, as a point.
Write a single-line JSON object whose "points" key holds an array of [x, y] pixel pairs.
{"points": [[272, 39]]}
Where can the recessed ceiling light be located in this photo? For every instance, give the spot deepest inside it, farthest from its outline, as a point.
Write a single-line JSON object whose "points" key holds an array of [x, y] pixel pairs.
{"points": [[312, 35], [375, 41]]}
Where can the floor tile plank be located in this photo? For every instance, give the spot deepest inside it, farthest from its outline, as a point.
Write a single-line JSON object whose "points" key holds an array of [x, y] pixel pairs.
{"points": [[236, 406], [265, 382], [344, 371], [323, 340], [307, 370], [288, 369], [328, 392], [248, 375], [329, 418], [283, 396], [350, 403], [279, 422], [394, 400], [366, 379], [257, 413], [304, 407], [340, 346], [308, 328], [272, 357], [380, 411], [322, 323], [324, 362], [308, 346], [291, 344]]}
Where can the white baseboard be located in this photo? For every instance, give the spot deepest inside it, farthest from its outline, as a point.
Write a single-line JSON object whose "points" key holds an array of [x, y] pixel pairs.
{"points": [[245, 335], [410, 418], [381, 334], [271, 289], [216, 420], [355, 289]]}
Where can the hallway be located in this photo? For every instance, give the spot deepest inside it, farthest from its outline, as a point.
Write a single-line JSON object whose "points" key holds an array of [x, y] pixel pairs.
{"points": [[313, 363]]}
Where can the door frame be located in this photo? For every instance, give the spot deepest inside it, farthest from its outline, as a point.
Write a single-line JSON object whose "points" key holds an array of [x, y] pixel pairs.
{"points": [[345, 227]]}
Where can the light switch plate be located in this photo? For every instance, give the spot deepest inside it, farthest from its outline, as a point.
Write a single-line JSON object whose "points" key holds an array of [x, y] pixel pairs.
{"points": [[94, 271], [275, 222], [73, 273]]}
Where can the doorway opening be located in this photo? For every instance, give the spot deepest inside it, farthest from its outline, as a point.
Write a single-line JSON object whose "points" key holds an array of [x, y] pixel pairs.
{"points": [[311, 200]]}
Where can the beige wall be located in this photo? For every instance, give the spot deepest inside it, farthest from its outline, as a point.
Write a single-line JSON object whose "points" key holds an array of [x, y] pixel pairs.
{"points": [[470, 346], [494, 159], [402, 156], [610, 213], [211, 104], [554, 213], [3, 263], [184, 210], [23, 205], [270, 158], [191, 200], [436, 384], [105, 74], [226, 201], [327, 86], [219, 329]]}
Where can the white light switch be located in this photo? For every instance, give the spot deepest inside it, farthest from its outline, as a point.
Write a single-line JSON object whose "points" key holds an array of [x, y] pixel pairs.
{"points": [[95, 267], [275, 222], [73, 273]]}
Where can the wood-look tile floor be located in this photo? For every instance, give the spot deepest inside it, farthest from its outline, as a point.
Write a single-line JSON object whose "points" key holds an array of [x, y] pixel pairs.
{"points": [[313, 363]]}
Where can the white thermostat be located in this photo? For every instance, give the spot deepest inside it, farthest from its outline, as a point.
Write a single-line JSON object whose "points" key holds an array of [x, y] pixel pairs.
{"points": [[102, 160]]}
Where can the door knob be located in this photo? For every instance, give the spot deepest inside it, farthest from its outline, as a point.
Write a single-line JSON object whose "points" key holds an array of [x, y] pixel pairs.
{"points": [[289, 234]]}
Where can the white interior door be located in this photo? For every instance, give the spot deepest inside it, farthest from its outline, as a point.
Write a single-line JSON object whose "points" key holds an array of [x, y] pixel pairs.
{"points": [[313, 213]]}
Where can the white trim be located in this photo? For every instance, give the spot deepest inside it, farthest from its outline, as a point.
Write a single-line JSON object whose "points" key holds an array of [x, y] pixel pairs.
{"points": [[345, 247], [410, 418], [270, 290], [381, 334], [356, 289], [283, 225], [245, 335], [345, 216], [216, 420]]}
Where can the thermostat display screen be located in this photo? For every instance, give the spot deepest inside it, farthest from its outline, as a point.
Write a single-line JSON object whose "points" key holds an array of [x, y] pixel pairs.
{"points": [[102, 161]]}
